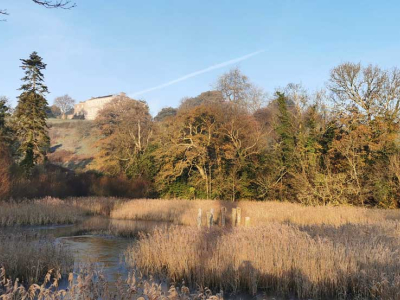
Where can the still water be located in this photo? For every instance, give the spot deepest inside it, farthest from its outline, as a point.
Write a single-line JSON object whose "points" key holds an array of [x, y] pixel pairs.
{"points": [[103, 241], [106, 252], [97, 240]]}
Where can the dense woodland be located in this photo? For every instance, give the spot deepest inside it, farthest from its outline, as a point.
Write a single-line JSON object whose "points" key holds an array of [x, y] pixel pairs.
{"points": [[335, 146]]}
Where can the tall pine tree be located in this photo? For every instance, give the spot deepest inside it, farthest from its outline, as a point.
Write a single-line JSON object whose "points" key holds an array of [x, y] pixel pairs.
{"points": [[285, 131], [6, 134], [3, 114], [30, 114]]}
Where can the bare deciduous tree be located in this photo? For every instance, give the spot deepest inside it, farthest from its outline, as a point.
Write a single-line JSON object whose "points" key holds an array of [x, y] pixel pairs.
{"points": [[370, 90], [237, 88], [65, 104]]}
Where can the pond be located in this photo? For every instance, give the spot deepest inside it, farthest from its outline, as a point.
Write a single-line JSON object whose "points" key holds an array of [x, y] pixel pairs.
{"points": [[95, 240], [104, 251], [103, 241]]}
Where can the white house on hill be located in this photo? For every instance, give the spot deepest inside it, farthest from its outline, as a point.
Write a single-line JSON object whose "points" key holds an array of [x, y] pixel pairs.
{"points": [[89, 109]]}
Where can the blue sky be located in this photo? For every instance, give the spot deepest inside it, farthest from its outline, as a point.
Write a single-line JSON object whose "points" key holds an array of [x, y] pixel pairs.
{"points": [[104, 47]]}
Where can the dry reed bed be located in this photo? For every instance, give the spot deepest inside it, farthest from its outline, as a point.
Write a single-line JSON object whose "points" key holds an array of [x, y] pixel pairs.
{"points": [[98, 225], [184, 212], [30, 257], [355, 262], [54, 211], [39, 212], [96, 205], [89, 283]]}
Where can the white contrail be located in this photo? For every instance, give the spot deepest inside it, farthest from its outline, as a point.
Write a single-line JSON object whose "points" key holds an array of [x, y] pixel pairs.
{"points": [[217, 66]]}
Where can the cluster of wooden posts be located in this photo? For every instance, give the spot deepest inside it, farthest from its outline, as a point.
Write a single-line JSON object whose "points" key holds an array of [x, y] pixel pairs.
{"points": [[236, 219]]}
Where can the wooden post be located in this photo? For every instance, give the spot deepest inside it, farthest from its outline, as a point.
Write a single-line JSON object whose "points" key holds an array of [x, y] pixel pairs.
{"points": [[209, 219], [199, 219], [223, 216], [233, 217], [247, 221], [239, 216]]}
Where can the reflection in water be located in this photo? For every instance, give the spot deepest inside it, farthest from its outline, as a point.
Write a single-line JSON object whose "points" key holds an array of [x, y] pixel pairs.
{"points": [[105, 252]]}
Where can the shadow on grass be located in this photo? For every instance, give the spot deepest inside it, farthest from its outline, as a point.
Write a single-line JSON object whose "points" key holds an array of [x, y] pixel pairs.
{"points": [[54, 148]]}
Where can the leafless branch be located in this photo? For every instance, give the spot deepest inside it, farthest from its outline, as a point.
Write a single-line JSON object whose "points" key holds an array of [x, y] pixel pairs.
{"points": [[3, 12], [64, 4]]}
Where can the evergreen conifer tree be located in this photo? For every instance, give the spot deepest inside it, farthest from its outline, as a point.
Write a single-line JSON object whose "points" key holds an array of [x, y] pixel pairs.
{"points": [[285, 131], [3, 114], [30, 114], [6, 134]]}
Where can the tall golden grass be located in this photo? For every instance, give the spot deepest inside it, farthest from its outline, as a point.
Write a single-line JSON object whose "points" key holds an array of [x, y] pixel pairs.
{"points": [[184, 212], [39, 212], [29, 257], [289, 249], [96, 205], [348, 262], [51, 210], [99, 225], [89, 283]]}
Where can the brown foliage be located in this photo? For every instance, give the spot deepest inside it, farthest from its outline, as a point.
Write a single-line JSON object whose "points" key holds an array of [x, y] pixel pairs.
{"points": [[127, 128], [5, 169], [120, 186], [209, 144], [55, 181]]}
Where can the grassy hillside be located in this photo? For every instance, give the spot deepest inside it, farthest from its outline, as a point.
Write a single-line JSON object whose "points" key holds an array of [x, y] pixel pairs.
{"points": [[72, 143]]}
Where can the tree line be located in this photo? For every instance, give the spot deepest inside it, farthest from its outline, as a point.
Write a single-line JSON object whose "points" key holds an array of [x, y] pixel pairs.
{"points": [[335, 146]]}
